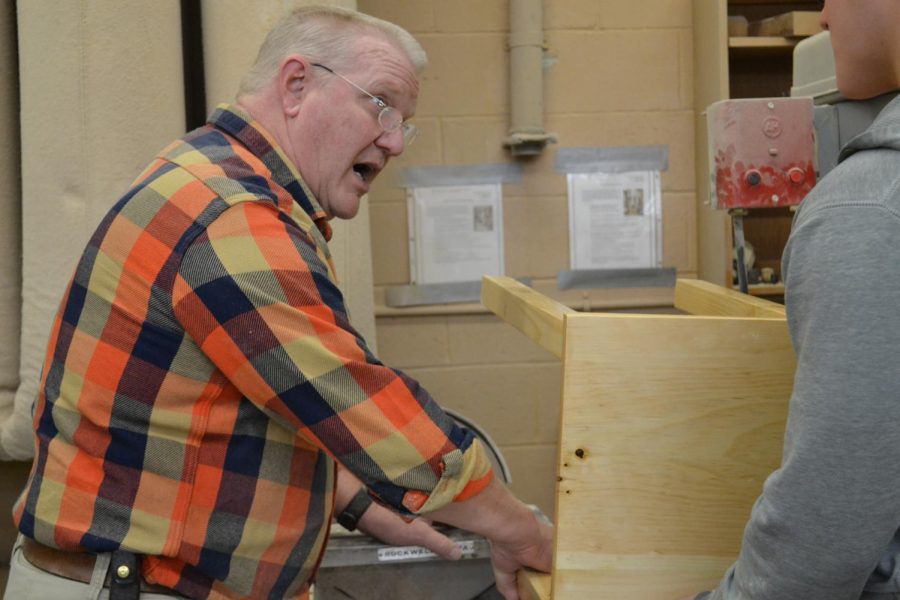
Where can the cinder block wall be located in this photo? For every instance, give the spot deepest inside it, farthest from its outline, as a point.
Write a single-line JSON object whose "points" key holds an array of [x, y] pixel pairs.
{"points": [[618, 73]]}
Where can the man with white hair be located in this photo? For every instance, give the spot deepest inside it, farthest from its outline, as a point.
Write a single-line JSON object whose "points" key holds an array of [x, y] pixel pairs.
{"points": [[203, 381]]}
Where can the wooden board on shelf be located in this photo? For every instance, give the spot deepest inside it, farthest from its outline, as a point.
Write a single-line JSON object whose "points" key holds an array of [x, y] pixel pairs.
{"points": [[761, 42], [797, 23], [766, 290], [738, 26]]}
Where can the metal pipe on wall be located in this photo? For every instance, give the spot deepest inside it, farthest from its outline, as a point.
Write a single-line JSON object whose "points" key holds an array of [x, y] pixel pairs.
{"points": [[526, 47]]}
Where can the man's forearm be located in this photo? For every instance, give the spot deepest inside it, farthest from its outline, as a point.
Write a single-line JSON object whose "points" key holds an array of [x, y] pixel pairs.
{"points": [[346, 487], [494, 513]]}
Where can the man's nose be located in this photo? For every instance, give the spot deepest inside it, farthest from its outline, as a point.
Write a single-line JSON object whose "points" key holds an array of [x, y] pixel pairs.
{"points": [[391, 142]]}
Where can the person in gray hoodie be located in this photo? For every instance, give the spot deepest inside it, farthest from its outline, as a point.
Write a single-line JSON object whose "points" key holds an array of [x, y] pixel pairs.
{"points": [[826, 524]]}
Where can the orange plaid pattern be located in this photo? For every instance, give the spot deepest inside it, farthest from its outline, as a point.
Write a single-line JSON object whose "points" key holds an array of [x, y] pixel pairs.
{"points": [[203, 375]]}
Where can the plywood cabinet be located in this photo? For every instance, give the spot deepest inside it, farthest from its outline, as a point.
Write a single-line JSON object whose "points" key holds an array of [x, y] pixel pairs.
{"points": [[740, 67], [669, 426]]}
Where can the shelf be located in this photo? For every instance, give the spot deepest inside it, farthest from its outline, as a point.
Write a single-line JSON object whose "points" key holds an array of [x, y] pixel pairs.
{"points": [[762, 42], [808, 4], [766, 289], [739, 65], [760, 46]]}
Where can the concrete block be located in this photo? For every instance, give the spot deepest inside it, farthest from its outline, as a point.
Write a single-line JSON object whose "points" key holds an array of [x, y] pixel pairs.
{"points": [[533, 470], [515, 404], [614, 70], [475, 140], [686, 49], [406, 342], [467, 75], [386, 189], [536, 235], [415, 16], [390, 246], [680, 231], [617, 14], [483, 339], [471, 15]]}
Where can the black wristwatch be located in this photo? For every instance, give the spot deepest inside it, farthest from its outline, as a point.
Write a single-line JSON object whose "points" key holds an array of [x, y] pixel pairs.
{"points": [[355, 509]]}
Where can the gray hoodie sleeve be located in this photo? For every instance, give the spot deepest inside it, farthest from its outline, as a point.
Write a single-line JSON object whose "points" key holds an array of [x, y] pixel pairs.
{"points": [[826, 518]]}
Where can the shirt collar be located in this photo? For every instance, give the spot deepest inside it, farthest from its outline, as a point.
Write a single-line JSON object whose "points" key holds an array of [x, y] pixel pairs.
{"points": [[260, 142]]}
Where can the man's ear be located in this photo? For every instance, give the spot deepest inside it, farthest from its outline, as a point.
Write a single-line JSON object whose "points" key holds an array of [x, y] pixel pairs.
{"points": [[293, 79]]}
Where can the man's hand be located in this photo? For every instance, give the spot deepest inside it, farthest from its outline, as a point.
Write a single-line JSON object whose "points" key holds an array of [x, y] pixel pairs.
{"points": [[384, 524], [534, 550], [387, 526], [518, 538]]}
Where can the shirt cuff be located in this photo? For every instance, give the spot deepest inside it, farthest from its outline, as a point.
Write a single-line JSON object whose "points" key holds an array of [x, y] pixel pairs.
{"points": [[464, 476]]}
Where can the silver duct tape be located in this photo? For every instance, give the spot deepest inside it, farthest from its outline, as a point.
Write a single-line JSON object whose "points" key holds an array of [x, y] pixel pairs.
{"points": [[459, 175], [615, 278], [620, 159], [436, 293]]}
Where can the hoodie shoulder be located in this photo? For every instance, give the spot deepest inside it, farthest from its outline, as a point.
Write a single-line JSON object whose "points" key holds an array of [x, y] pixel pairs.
{"points": [[884, 132], [868, 173]]}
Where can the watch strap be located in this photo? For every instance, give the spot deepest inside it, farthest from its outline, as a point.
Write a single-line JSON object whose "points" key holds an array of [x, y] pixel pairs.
{"points": [[353, 512]]}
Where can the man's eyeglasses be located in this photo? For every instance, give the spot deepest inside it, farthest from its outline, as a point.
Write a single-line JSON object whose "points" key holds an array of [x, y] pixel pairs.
{"points": [[389, 118]]}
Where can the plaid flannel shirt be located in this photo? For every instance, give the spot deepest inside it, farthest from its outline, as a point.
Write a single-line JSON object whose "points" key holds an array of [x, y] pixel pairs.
{"points": [[202, 376]]}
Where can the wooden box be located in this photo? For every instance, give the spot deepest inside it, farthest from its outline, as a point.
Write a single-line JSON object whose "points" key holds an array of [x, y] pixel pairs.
{"points": [[670, 424]]}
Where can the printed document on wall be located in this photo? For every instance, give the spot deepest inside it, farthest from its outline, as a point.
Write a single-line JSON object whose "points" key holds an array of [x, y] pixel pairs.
{"points": [[455, 232], [615, 220]]}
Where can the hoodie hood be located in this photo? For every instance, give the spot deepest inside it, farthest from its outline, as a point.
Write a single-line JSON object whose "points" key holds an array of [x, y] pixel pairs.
{"points": [[884, 132]]}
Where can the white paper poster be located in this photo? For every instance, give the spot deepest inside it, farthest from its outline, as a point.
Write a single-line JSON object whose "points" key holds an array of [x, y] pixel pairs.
{"points": [[615, 220], [455, 233]]}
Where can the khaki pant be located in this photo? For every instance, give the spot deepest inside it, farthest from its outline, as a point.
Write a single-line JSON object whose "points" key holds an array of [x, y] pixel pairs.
{"points": [[27, 582]]}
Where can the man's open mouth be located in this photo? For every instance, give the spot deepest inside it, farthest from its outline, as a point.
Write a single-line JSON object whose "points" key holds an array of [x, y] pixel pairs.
{"points": [[364, 171]]}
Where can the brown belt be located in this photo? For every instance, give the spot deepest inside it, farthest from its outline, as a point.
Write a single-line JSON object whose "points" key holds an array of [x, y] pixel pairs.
{"points": [[78, 566]]}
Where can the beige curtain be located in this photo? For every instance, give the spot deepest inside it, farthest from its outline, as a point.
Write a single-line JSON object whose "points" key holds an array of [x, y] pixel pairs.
{"points": [[101, 91], [10, 214]]}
